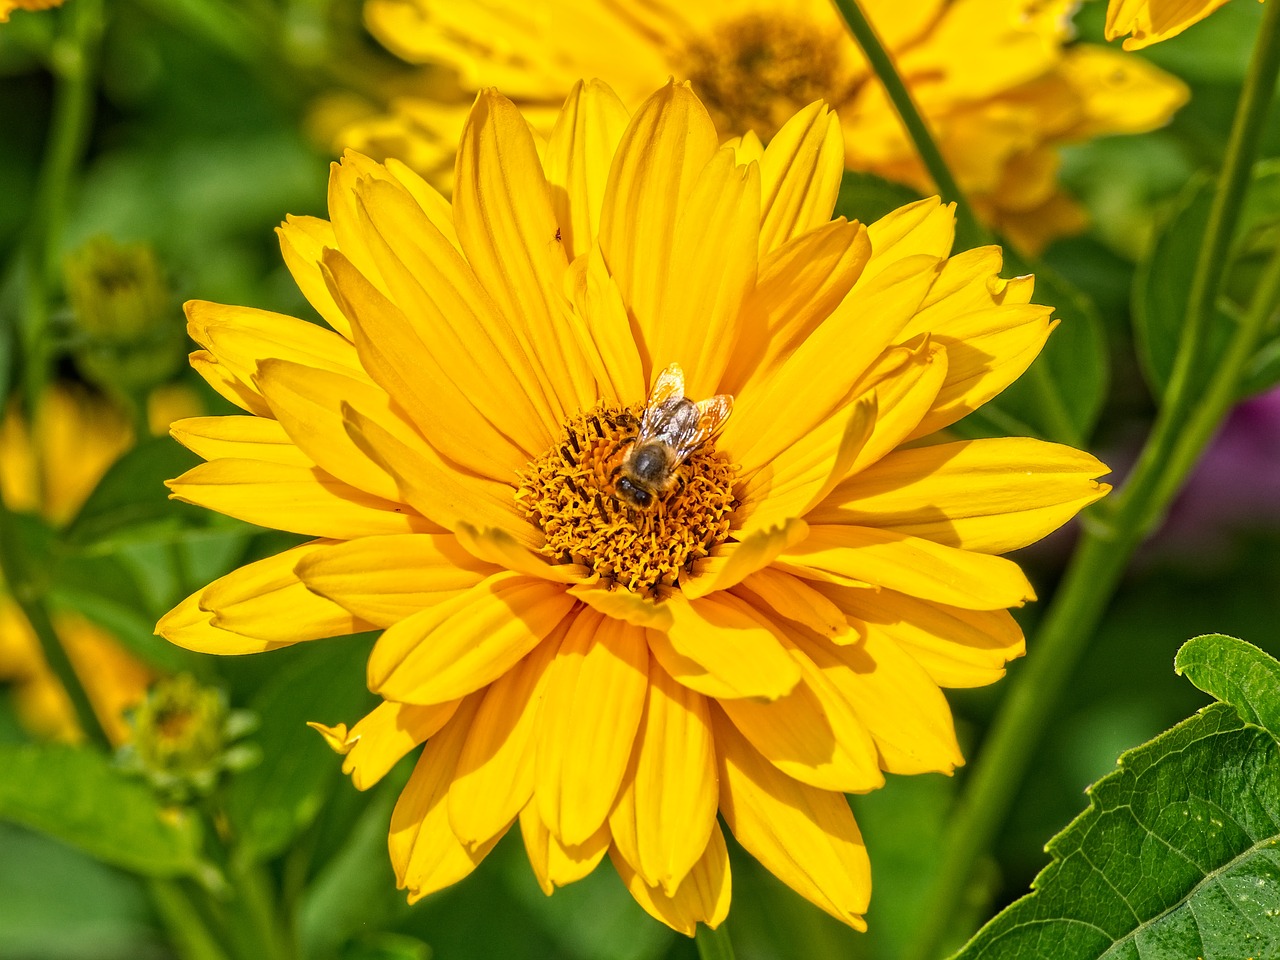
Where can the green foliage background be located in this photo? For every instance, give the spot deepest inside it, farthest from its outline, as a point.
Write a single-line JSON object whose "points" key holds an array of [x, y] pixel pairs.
{"points": [[199, 147]]}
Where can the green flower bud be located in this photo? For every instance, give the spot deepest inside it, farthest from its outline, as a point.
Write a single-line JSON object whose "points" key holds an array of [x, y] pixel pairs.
{"points": [[130, 332]]}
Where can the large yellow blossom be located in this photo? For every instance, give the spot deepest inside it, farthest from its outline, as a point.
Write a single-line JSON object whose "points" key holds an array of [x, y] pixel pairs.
{"points": [[771, 634], [50, 471], [996, 80], [1150, 21]]}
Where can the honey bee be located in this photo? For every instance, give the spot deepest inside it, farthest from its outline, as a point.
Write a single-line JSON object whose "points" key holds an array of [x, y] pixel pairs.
{"points": [[672, 427]]}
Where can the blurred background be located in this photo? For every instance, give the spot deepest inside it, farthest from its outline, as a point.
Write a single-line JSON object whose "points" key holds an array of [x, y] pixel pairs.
{"points": [[209, 122]]}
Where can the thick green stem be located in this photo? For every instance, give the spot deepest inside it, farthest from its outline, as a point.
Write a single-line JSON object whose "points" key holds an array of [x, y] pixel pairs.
{"points": [[713, 944], [970, 233], [1182, 430]]}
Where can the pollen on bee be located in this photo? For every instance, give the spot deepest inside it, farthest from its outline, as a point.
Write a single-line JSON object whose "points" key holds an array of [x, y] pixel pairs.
{"points": [[572, 499]]}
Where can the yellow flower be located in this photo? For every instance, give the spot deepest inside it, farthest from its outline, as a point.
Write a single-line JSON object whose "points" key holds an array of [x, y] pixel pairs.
{"points": [[8, 6], [770, 632], [1150, 21], [996, 80], [76, 438]]}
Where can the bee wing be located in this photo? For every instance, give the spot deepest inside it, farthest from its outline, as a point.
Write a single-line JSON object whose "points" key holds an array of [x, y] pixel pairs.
{"points": [[667, 392], [668, 386], [711, 418]]}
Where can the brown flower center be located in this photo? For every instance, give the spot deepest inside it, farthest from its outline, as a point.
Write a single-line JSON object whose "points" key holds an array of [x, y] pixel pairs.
{"points": [[570, 493], [755, 72]]}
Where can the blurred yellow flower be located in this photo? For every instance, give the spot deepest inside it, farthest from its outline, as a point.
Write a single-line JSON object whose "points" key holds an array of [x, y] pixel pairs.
{"points": [[1150, 21], [996, 79], [50, 471], [610, 647], [8, 6]]}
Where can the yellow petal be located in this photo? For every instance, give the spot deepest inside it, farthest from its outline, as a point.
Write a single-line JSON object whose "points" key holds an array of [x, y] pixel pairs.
{"points": [[790, 484], [462, 644], [1150, 21], [556, 864], [386, 579], [986, 351], [403, 365], [991, 496], [799, 285], [428, 482], [265, 600], [607, 328], [721, 647], [925, 227], [703, 897], [448, 314], [302, 240], [308, 403], [590, 713], [818, 378], [789, 596], [502, 211], [673, 792], [893, 698], [804, 836], [704, 292], [242, 438], [225, 383], [298, 499], [501, 549], [919, 568], [905, 381], [668, 142], [378, 741], [735, 561], [188, 626], [621, 604], [579, 154], [800, 175], [812, 734], [494, 779], [238, 337], [424, 852], [956, 648]]}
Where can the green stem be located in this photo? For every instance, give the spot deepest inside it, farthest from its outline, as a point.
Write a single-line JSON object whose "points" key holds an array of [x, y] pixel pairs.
{"points": [[255, 924], [28, 591], [74, 60], [969, 231], [713, 944], [1182, 430], [188, 934]]}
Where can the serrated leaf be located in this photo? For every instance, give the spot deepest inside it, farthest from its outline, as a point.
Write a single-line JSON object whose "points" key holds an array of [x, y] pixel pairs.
{"points": [[1162, 286], [272, 802], [1237, 673], [132, 493], [1178, 856], [77, 796]]}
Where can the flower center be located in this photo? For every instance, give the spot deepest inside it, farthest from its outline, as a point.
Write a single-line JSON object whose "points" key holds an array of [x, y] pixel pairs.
{"points": [[756, 71], [570, 492]]}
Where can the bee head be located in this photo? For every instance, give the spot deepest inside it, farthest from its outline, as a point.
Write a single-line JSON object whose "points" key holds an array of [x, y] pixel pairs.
{"points": [[633, 494]]}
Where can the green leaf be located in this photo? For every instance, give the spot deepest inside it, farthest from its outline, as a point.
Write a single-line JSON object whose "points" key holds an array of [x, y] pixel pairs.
{"points": [[1237, 673], [867, 198], [271, 803], [132, 493], [1163, 282], [77, 796], [1178, 854]]}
